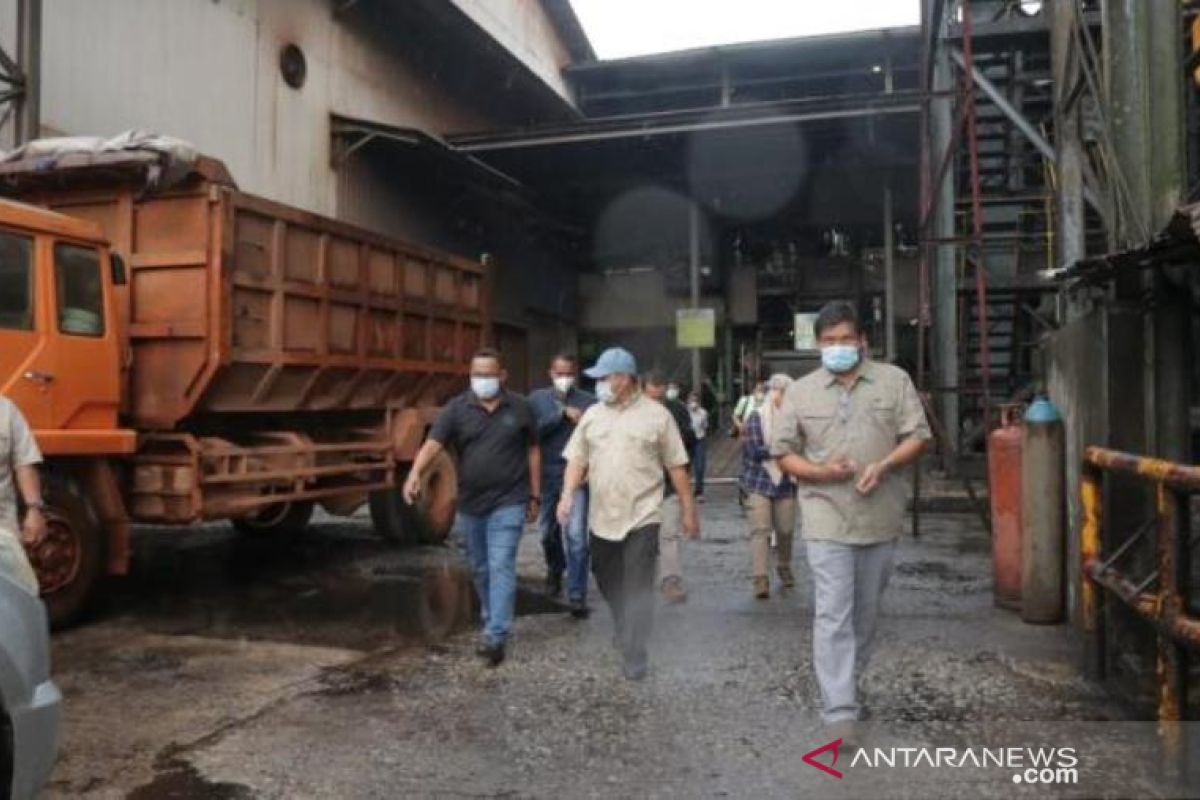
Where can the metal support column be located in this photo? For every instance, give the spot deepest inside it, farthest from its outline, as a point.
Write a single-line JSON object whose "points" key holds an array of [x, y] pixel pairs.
{"points": [[944, 273], [889, 273], [694, 264], [1071, 214], [29, 56]]}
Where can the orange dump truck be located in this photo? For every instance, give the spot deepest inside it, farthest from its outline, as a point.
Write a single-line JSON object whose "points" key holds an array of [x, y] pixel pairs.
{"points": [[197, 353]]}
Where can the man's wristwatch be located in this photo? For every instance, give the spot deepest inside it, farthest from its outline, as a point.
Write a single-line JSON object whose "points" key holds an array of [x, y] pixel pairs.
{"points": [[39, 505]]}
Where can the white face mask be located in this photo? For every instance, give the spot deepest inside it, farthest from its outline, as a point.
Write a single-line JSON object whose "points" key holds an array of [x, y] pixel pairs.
{"points": [[604, 392], [672, 393], [564, 384], [485, 388]]}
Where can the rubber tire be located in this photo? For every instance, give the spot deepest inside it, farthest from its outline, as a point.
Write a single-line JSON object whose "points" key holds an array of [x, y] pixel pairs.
{"points": [[289, 518], [431, 519], [67, 605]]}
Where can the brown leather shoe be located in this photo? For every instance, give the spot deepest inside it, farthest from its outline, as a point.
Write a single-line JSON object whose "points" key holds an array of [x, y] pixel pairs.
{"points": [[786, 577], [673, 591], [762, 587]]}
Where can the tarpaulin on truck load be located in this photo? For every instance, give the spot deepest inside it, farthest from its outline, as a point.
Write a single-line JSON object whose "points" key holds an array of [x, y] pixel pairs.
{"points": [[167, 160]]}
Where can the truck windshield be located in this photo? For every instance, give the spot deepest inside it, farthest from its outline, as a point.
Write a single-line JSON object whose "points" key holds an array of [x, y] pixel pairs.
{"points": [[80, 298], [16, 282]]}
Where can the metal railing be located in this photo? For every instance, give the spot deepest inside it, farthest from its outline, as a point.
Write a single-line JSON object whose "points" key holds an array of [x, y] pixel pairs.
{"points": [[1158, 597]]}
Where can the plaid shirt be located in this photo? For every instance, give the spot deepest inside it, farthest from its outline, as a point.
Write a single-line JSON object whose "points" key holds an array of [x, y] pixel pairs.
{"points": [[754, 478]]}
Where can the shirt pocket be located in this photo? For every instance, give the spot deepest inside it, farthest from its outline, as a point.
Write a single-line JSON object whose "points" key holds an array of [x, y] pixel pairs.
{"points": [[883, 414], [816, 424]]}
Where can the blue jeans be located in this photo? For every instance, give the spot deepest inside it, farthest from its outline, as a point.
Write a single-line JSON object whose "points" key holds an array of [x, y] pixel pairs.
{"points": [[492, 541], [700, 464], [575, 561]]}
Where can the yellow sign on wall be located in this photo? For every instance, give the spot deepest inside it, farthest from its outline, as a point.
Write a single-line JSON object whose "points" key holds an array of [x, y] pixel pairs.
{"points": [[695, 327]]}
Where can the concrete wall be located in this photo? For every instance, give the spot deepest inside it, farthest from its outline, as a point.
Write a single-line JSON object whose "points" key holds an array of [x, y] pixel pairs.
{"points": [[208, 71], [524, 29], [631, 300]]}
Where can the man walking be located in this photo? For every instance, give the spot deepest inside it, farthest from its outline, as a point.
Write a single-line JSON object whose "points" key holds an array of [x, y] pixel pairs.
{"points": [[845, 432], [494, 435], [19, 457], [670, 561], [622, 444], [558, 409]]}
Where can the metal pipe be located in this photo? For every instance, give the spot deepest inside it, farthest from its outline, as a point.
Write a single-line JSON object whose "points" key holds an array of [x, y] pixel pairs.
{"points": [[1090, 497], [1177, 476]]}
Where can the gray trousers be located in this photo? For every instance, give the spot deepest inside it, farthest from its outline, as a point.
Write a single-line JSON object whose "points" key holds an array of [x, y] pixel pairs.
{"points": [[848, 582], [670, 537]]}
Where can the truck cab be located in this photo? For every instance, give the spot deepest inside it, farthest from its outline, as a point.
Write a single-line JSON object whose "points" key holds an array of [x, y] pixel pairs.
{"points": [[60, 359], [60, 362]]}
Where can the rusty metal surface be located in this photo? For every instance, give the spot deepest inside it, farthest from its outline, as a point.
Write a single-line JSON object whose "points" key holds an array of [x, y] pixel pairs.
{"points": [[1164, 606], [1178, 476], [238, 304]]}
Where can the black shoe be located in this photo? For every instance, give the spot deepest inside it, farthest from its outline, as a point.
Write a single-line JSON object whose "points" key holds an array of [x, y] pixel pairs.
{"points": [[579, 609], [554, 585], [492, 654]]}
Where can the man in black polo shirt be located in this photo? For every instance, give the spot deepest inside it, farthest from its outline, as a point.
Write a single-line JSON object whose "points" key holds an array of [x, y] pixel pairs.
{"points": [[494, 435]]}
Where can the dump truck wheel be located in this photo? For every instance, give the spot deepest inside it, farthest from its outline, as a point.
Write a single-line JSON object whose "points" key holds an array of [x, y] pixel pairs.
{"points": [[438, 505], [390, 516], [280, 518], [431, 519], [69, 562]]}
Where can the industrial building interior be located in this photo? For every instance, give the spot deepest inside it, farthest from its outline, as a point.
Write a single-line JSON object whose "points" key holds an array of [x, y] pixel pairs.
{"points": [[1003, 192], [1009, 193]]}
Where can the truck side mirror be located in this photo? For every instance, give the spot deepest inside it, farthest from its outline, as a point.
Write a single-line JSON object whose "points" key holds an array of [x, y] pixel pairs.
{"points": [[119, 276]]}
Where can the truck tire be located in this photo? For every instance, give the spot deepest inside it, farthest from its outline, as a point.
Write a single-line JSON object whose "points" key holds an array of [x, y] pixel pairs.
{"points": [[70, 561], [281, 518], [431, 519]]}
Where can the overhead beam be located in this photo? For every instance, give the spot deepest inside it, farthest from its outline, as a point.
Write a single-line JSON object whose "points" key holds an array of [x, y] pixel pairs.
{"points": [[643, 130]]}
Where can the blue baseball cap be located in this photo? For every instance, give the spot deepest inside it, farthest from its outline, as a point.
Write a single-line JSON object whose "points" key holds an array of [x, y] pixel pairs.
{"points": [[614, 360]]}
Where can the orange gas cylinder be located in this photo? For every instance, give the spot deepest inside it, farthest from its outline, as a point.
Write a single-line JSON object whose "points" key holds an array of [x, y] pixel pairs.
{"points": [[1004, 491]]}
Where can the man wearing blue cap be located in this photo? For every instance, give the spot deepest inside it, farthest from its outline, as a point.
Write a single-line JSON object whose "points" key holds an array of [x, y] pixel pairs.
{"points": [[622, 444]]}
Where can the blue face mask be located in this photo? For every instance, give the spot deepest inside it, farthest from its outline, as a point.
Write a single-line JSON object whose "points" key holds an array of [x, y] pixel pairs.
{"points": [[604, 392], [485, 388], [839, 358]]}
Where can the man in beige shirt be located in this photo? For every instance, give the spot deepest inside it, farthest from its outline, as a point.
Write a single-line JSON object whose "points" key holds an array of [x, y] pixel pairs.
{"points": [[19, 457], [622, 445], [845, 432]]}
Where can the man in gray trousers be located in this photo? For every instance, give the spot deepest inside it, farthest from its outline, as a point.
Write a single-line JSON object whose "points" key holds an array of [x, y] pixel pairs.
{"points": [[845, 432]]}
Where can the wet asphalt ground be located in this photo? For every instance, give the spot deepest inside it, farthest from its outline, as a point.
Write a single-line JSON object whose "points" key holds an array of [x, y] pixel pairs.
{"points": [[333, 666]]}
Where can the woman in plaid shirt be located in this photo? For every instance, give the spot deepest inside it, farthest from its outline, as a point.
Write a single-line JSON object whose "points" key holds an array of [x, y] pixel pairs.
{"points": [[770, 495]]}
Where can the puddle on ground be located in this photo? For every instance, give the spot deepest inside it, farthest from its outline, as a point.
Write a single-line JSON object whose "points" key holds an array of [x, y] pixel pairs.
{"points": [[326, 587], [179, 780]]}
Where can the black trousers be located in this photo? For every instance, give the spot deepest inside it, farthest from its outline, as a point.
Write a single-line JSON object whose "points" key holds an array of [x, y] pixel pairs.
{"points": [[625, 573]]}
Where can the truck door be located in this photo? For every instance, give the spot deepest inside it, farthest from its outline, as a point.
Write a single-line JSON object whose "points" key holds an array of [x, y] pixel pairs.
{"points": [[25, 355], [85, 388]]}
